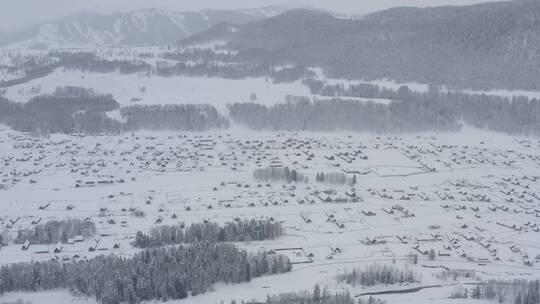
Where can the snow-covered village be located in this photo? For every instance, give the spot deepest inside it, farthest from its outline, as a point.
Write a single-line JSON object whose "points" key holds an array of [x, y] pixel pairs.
{"points": [[276, 154]]}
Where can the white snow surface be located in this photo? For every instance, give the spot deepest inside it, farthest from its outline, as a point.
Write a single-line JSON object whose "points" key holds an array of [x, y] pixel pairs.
{"points": [[458, 185], [164, 90]]}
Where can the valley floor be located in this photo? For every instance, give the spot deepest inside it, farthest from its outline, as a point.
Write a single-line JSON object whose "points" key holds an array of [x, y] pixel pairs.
{"points": [[473, 197]]}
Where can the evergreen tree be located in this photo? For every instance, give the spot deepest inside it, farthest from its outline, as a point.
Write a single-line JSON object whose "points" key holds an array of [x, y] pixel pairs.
{"points": [[316, 294]]}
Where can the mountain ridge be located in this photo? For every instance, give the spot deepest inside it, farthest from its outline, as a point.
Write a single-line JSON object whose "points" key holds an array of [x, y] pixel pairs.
{"points": [[137, 28], [489, 45]]}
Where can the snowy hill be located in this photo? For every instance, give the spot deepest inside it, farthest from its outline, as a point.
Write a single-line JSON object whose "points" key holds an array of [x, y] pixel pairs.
{"points": [[140, 28], [483, 46]]}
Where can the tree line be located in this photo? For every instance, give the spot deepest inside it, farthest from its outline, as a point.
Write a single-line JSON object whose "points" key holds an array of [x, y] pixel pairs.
{"points": [[80, 110], [279, 174], [238, 231], [89, 62], [191, 63], [30, 68], [339, 114], [515, 115], [517, 291], [198, 55], [156, 274], [317, 296], [173, 117], [376, 274], [53, 232], [56, 112], [407, 112], [336, 178]]}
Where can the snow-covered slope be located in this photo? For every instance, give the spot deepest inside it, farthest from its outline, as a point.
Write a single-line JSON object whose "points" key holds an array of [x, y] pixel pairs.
{"points": [[140, 28]]}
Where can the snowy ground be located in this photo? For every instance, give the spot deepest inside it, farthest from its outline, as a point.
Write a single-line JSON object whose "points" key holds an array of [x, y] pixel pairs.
{"points": [[57, 297], [472, 196], [127, 89], [143, 89]]}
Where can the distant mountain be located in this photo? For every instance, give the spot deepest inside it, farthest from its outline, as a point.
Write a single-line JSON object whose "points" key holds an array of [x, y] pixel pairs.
{"points": [[140, 28], [490, 45]]}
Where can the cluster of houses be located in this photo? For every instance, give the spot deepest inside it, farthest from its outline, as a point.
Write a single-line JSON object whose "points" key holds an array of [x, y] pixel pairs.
{"points": [[434, 155], [324, 207]]}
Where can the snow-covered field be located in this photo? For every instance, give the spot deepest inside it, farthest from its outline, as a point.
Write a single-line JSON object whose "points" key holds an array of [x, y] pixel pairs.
{"points": [[128, 89], [145, 89], [414, 86], [472, 196]]}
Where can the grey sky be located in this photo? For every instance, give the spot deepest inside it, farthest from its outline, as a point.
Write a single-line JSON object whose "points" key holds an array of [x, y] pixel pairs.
{"points": [[19, 13]]}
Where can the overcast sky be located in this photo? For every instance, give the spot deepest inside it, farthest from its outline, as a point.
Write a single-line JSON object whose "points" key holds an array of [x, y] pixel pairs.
{"points": [[19, 13]]}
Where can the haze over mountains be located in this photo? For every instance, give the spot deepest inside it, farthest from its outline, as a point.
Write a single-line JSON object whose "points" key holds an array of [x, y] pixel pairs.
{"points": [[139, 28], [488, 45]]}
